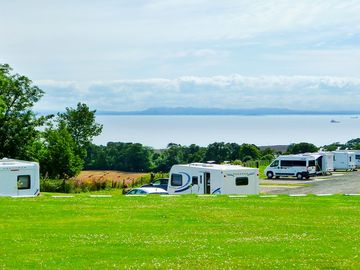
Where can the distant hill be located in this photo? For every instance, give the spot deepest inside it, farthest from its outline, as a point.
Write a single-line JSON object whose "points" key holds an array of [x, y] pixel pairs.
{"points": [[218, 111]]}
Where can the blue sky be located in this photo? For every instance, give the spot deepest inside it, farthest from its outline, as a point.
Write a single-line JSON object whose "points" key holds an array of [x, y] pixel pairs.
{"points": [[131, 55]]}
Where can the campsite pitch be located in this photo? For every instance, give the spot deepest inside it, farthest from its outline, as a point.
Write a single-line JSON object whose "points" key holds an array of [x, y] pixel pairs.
{"points": [[181, 232]]}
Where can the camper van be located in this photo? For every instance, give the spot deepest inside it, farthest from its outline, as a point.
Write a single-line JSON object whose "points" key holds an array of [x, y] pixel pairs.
{"points": [[344, 160], [19, 178], [204, 178], [299, 166]]}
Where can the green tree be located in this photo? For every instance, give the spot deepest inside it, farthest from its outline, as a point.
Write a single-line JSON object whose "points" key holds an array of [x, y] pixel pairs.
{"points": [[18, 123], [58, 157], [353, 144], [174, 154], [81, 124], [249, 152], [334, 146], [303, 147], [217, 152]]}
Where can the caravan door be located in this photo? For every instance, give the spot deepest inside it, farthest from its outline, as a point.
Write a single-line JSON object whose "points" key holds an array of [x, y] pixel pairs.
{"points": [[7, 184], [207, 183]]}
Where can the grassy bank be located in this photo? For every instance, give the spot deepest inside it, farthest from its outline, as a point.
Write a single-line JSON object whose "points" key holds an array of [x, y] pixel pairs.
{"points": [[180, 232]]}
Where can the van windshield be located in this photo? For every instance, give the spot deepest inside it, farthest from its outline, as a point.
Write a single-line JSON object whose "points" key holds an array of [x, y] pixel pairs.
{"points": [[275, 163]]}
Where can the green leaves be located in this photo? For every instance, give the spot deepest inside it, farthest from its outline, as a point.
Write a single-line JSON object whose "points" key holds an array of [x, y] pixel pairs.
{"points": [[18, 124]]}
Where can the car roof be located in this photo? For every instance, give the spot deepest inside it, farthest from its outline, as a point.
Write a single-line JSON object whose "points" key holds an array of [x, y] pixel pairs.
{"points": [[151, 189]]}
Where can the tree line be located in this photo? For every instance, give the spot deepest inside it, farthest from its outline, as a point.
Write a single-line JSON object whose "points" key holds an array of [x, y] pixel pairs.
{"points": [[138, 158]]}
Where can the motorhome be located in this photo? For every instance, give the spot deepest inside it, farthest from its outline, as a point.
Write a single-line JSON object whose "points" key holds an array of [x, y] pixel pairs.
{"points": [[19, 178], [204, 178], [300, 166], [344, 160]]}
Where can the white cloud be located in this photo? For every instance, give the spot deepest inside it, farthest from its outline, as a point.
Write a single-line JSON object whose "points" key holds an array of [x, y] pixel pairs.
{"points": [[235, 91]]}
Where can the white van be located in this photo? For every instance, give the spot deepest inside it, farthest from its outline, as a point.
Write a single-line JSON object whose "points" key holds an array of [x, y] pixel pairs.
{"points": [[299, 166], [204, 178]]}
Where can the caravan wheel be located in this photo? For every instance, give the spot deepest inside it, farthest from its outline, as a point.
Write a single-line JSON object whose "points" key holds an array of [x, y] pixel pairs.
{"points": [[270, 175], [299, 176]]}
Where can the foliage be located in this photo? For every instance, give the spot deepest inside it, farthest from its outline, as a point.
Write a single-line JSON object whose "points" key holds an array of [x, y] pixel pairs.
{"points": [[59, 158], [353, 144], [119, 156], [18, 123], [333, 146], [179, 232], [303, 147], [249, 152], [218, 152], [80, 123]]}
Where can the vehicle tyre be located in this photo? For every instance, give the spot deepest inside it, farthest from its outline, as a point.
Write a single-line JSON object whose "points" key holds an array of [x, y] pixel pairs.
{"points": [[299, 176], [307, 177], [270, 175]]}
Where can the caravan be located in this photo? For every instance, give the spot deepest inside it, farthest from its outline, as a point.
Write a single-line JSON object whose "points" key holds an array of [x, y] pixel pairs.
{"points": [[203, 178], [357, 157], [19, 178], [344, 160], [324, 162]]}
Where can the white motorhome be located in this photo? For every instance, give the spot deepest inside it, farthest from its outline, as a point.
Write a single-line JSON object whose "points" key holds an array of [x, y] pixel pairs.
{"points": [[203, 178], [344, 160], [299, 166], [19, 178]]}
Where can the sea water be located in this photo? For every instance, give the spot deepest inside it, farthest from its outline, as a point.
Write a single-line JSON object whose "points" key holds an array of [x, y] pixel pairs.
{"points": [[158, 131]]}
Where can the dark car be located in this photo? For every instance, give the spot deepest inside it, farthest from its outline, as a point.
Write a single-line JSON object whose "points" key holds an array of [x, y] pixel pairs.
{"points": [[159, 183]]}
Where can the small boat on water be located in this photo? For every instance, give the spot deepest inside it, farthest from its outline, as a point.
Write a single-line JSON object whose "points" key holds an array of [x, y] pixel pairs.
{"points": [[334, 121]]}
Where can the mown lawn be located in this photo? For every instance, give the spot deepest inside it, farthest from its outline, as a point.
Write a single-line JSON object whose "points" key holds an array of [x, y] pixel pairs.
{"points": [[185, 232]]}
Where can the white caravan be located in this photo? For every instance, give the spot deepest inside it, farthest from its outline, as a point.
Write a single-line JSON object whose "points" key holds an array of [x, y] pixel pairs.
{"points": [[344, 160], [204, 178], [357, 157], [324, 162], [19, 178], [292, 165]]}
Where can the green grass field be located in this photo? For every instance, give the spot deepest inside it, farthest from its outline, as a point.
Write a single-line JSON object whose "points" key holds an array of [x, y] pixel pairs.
{"points": [[185, 232]]}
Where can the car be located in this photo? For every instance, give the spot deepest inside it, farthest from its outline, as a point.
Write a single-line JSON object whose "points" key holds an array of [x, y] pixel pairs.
{"points": [[146, 190], [159, 183]]}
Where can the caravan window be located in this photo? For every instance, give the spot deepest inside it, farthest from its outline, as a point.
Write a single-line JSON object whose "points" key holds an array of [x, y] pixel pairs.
{"points": [[241, 181], [23, 182], [357, 156], [176, 180], [195, 180]]}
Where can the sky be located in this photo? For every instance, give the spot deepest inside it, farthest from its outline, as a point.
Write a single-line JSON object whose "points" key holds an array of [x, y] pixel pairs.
{"points": [[137, 54]]}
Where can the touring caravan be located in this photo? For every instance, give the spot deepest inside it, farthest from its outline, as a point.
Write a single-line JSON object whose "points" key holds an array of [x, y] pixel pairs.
{"points": [[292, 165], [203, 178], [344, 160], [19, 178], [324, 162], [357, 157]]}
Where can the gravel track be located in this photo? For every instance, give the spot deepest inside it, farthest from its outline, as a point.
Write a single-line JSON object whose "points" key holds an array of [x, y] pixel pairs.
{"points": [[338, 183]]}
